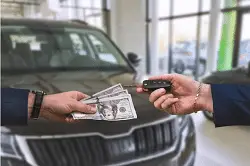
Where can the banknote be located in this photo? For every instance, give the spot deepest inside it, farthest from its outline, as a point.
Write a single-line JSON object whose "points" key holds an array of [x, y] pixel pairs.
{"points": [[110, 90], [111, 109], [96, 99]]}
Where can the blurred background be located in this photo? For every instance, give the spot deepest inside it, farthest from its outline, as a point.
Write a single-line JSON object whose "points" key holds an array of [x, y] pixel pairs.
{"points": [[208, 40]]}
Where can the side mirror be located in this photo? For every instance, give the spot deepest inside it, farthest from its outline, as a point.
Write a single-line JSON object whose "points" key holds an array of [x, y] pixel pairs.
{"points": [[134, 58]]}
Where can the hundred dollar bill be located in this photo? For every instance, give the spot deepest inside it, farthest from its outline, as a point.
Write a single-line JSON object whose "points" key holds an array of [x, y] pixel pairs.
{"points": [[96, 99], [112, 89], [111, 109]]}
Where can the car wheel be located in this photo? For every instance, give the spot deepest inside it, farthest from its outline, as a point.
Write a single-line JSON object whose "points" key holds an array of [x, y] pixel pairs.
{"points": [[179, 67], [202, 68], [208, 115]]}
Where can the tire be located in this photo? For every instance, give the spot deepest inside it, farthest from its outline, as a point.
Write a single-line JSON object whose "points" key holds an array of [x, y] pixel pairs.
{"points": [[202, 68], [208, 115], [179, 67]]}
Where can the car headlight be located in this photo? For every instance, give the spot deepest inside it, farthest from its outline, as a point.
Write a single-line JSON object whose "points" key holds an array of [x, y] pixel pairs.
{"points": [[9, 146]]}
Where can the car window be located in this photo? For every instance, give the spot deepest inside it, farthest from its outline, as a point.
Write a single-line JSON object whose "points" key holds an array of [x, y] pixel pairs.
{"points": [[79, 46], [33, 47], [102, 49]]}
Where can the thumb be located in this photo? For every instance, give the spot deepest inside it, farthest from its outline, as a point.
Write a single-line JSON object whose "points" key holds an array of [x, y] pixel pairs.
{"points": [[84, 108], [79, 96]]}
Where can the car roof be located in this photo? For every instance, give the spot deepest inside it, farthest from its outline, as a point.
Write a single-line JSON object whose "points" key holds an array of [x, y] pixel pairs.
{"points": [[47, 23]]}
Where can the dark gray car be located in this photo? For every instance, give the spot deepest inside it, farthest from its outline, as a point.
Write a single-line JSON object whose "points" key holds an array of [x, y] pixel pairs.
{"points": [[58, 56]]}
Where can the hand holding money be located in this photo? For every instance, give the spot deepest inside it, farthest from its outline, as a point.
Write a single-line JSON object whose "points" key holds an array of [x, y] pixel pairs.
{"points": [[112, 104]]}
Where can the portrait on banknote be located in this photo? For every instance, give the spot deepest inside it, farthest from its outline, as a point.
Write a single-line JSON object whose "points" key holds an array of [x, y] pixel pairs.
{"points": [[108, 112]]}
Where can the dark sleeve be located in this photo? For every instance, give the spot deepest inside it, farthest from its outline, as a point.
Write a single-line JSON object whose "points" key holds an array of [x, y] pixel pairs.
{"points": [[14, 106], [231, 104]]}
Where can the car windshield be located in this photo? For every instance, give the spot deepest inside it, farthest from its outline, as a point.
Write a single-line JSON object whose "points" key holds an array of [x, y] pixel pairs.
{"points": [[26, 48]]}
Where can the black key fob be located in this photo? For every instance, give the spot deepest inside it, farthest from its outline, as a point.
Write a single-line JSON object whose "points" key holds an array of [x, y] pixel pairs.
{"points": [[152, 85]]}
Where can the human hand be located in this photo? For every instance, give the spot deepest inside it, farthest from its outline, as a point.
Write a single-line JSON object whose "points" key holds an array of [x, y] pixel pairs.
{"points": [[182, 97], [56, 107]]}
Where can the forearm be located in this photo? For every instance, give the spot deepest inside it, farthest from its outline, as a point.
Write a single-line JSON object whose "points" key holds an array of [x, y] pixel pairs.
{"points": [[14, 104], [231, 104]]}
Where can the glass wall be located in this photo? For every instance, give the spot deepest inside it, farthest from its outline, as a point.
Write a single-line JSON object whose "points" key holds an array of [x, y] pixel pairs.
{"points": [[90, 11], [93, 12], [184, 31]]}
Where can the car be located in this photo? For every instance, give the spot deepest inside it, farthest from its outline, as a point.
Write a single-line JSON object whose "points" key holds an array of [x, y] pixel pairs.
{"points": [[244, 57], [58, 56], [184, 55], [238, 75]]}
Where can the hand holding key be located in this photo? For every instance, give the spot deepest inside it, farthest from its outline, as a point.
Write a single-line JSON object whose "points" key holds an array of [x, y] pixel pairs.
{"points": [[186, 95]]}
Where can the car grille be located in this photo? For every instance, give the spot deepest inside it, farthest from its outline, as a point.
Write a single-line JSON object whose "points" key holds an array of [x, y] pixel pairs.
{"points": [[96, 150]]}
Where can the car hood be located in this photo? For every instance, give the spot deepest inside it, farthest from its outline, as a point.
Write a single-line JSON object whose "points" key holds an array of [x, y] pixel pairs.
{"points": [[86, 82], [234, 76]]}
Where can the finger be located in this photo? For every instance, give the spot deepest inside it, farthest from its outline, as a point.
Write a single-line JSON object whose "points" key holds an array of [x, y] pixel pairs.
{"points": [[92, 105], [156, 94], [168, 77], [161, 100], [139, 90], [80, 96], [168, 103], [80, 107], [72, 120]]}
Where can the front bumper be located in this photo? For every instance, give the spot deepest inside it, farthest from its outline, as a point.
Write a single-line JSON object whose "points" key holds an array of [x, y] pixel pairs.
{"points": [[181, 153], [184, 153]]}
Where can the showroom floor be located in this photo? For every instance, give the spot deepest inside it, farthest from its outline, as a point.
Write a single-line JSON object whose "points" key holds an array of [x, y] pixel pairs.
{"points": [[227, 146]]}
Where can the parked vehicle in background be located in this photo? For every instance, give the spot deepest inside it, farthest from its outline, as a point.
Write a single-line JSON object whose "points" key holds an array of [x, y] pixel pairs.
{"points": [[57, 56], [244, 53], [184, 55], [239, 75]]}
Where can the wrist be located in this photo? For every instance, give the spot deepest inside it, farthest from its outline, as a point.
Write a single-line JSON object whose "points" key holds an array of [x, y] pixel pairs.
{"points": [[36, 104], [205, 101], [47, 105], [44, 106]]}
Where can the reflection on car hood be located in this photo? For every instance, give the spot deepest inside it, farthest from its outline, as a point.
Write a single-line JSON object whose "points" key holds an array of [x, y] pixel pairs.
{"points": [[89, 83]]}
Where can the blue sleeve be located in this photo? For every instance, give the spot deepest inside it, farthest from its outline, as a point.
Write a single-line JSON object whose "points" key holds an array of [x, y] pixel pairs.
{"points": [[14, 106], [231, 104]]}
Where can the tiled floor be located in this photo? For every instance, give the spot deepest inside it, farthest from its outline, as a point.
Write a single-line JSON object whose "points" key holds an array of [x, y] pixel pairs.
{"points": [[227, 146]]}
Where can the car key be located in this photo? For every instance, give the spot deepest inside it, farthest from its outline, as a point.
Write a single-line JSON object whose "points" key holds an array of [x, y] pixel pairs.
{"points": [[152, 85]]}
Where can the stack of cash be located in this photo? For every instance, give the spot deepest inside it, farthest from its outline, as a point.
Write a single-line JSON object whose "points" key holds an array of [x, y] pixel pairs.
{"points": [[112, 104]]}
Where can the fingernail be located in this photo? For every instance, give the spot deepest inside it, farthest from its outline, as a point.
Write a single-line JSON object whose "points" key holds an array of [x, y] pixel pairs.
{"points": [[162, 90], [93, 109]]}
